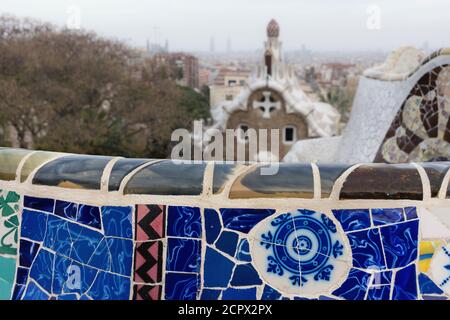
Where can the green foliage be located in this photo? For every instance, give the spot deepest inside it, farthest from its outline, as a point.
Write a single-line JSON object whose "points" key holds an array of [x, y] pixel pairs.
{"points": [[77, 92], [195, 104]]}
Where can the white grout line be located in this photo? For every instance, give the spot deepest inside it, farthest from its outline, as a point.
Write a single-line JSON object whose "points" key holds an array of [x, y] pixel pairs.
{"points": [[317, 182], [208, 177], [128, 177], [445, 182], [21, 164], [426, 188], [335, 192], [104, 181]]}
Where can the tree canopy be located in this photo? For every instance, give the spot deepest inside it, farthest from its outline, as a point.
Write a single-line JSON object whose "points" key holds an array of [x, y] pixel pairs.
{"points": [[74, 91]]}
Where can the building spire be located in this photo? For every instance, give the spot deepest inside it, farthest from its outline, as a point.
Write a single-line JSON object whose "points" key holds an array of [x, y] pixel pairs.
{"points": [[273, 29]]}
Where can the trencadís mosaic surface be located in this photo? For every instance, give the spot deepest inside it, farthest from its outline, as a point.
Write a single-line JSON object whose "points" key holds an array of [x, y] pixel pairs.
{"points": [[153, 229]]}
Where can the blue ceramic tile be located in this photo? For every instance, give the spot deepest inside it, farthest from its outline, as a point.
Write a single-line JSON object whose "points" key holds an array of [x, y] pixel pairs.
{"points": [[121, 255], [60, 273], [245, 275], [410, 213], [77, 171], [382, 278], [270, 293], [121, 169], [400, 243], [117, 222], [387, 216], [228, 242], [183, 255], [355, 286], [168, 177], [22, 276], [85, 241], [18, 292], [427, 286], [405, 285], [58, 236], [366, 249], [212, 225], [41, 204], [71, 277], [184, 222], [379, 293], [326, 298], [181, 286], [66, 210], [353, 219], [243, 251], [89, 216], [34, 225], [42, 269], [28, 252], [67, 297], [222, 174], [243, 220], [34, 293], [101, 258], [210, 294], [217, 270], [239, 294], [426, 297], [108, 286]]}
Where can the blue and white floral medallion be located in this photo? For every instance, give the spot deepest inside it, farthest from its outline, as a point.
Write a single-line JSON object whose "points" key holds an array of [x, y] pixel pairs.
{"points": [[440, 268], [302, 252]]}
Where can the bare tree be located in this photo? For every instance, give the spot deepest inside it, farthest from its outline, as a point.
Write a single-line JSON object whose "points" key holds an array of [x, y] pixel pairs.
{"points": [[74, 91]]}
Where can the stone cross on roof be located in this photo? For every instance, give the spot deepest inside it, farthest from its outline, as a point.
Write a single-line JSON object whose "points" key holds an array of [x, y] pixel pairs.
{"points": [[267, 106]]}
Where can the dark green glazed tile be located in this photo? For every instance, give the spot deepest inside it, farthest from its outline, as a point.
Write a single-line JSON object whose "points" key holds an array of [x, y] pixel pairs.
{"points": [[10, 160], [329, 173], [168, 178], [74, 172], [291, 181], [121, 169], [382, 181], [436, 172], [222, 172]]}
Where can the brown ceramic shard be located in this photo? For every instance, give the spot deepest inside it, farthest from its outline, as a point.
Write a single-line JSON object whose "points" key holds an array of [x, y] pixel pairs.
{"points": [[291, 181], [379, 181], [168, 178]]}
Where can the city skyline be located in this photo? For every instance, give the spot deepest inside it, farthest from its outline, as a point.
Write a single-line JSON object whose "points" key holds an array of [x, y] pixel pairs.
{"points": [[322, 26]]}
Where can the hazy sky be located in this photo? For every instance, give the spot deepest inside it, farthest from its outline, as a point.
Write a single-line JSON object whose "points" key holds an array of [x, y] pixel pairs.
{"points": [[190, 24]]}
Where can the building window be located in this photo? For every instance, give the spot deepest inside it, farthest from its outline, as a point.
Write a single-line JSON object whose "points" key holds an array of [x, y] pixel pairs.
{"points": [[268, 62], [289, 135], [242, 83], [242, 134], [229, 97], [232, 83]]}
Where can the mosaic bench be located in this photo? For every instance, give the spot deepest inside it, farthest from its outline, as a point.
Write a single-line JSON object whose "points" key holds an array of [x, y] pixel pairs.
{"points": [[91, 227]]}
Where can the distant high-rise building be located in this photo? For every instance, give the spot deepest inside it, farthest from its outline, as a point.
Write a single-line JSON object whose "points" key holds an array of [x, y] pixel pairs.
{"points": [[212, 45], [166, 46], [185, 69], [229, 49]]}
